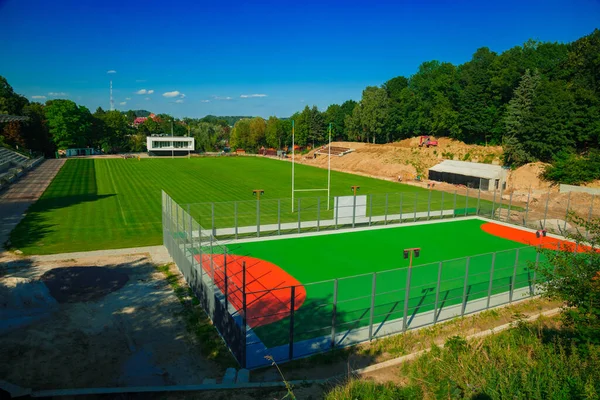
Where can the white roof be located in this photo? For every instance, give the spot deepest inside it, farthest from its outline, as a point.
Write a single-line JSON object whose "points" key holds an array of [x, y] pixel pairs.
{"points": [[466, 168]]}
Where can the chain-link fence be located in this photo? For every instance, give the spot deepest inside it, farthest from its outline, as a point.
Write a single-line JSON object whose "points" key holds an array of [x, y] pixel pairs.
{"points": [[293, 321]]}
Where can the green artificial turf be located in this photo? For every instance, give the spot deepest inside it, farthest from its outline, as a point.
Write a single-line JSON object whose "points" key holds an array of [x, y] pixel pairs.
{"points": [[97, 204], [339, 256]]}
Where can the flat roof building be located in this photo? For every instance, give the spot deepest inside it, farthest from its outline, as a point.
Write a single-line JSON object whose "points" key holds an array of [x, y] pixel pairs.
{"points": [[470, 174], [167, 145]]}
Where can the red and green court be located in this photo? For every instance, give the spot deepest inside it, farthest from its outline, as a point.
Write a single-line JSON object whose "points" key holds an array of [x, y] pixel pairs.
{"points": [[313, 263]]}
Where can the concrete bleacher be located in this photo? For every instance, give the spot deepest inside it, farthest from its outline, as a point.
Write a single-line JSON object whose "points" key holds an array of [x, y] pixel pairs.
{"points": [[13, 165], [9, 159]]}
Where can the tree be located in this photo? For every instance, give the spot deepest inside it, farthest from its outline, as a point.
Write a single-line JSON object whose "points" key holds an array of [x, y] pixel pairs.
{"points": [[240, 134], [316, 124], [10, 102], [574, 277], [35, 130], [374, 114], [256, 138], [68, 123]]}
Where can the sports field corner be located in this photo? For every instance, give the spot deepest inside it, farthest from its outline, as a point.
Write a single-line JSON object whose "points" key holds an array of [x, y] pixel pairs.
{"points": [[359, 276]]}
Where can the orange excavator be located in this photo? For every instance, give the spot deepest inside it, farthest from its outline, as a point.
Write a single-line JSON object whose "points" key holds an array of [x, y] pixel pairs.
{"points": [[427, 141]]}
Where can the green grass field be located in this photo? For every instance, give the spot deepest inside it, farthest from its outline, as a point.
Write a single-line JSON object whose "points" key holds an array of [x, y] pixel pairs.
{"points": [[97, 204], [342, 256]]}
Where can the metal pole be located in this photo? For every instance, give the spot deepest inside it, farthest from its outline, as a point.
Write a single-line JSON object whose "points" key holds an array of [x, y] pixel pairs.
{"points": [[478, 199], [329, 170], [258, 215], [225, 276], [464, 301], [442, 207], [467, 203], [279, 216], [353, 209], [509, 207], [212, 210], [500, 202], [201, 260], [333, 312], [370, 208], [293, 163], [337, 205], [244, 309], [406, 298], [235, 218], [428, 205], [318, 213], [491, 280], [567, 213], [401, 205], [527, 206], [494, 202], [514, 277], [373, 291], [454, 206], [292, 301], [546, 211], [191, 237], [299, 224], [537, 262], [437, 293], [385, 211], [416, 204]]}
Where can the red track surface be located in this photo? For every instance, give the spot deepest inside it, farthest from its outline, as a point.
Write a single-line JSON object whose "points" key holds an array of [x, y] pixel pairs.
{"points": [[529, 238], [268, 292]]}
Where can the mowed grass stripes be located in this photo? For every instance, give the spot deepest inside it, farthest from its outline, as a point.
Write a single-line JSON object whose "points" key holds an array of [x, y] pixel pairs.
{"points": [[97, 204]]}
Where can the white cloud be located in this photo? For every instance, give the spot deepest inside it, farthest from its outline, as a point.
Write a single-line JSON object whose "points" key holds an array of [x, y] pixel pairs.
{"points": [[147, 98], [127, 98], [150, 91], [122, 103], [141, 91], [248, 96], [174, 93], [204, 101], [221, 98], [38, 97], [111, 71], [57, 94], [179, 101]]}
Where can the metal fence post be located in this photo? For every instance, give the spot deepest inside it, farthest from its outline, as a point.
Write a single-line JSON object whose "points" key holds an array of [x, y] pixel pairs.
{"points": [[353, 210], [279, 216], [201, 259], [587, 232], [567, 213], [191, 237], [401, 205], [370, 208], [373, 290], [292, 301], [478, 199], [258, 216], [509, 207], [299, 223], [514, 277], [527, 206], [429, 205], [337, 204], [464, 298], [489, 297], [333, 312], [467, 202], [385, 211], [406, 298], [500, 202], [225, 276], [442, 207], [244, 310], [212, 212], [416, 204], [494, 202], [454, 205], [318, 214], [437, 293], [546, 211], [235, 218], [177, 227]]}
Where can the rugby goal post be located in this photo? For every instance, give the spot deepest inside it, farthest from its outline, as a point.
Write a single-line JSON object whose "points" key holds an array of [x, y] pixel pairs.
{"points": [[294, 190]]}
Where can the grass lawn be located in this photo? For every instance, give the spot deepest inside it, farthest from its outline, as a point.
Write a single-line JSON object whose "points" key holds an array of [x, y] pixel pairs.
{"points": [[345, 256], [114, 203]]}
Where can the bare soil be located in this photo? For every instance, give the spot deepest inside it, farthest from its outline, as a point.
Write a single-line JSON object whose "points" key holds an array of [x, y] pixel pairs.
{"points": [[95, 322]]}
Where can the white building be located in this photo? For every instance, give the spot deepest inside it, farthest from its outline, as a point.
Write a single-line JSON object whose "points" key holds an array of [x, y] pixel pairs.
{"points": [[474, 175], [168, 145]]}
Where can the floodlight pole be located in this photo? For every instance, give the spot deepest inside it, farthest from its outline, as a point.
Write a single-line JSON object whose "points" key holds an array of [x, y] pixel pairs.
{"points": [[172, 141], [541, 234], [409, 253], [355, 189], [329, 169], [257, 193]]}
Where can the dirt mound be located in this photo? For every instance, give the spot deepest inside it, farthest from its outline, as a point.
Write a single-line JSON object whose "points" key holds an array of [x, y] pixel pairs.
{"points": [[528, 175], [80, 284]]}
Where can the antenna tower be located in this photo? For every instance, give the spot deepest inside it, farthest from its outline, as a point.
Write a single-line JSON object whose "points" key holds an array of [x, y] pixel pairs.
{"points": [[112, 102]]}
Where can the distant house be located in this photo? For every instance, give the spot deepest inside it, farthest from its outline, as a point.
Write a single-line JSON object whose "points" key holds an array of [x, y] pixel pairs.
{"points": [[170, 145], [140, 120]]}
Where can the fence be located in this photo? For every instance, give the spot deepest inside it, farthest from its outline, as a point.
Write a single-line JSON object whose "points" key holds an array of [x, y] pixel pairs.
{"points": [[532, 209], [344, 311]]}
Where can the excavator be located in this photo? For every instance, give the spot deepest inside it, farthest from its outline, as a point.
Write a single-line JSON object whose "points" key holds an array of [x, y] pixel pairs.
{"points": [[427, 141]]}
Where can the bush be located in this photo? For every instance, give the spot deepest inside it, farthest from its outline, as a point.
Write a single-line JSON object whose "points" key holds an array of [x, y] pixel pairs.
{"points": [[573, 169]]}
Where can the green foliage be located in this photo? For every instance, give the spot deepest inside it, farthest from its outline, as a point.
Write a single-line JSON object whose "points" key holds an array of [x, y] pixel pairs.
{"points": [[574, 277], [69, 124], [572, 169]]}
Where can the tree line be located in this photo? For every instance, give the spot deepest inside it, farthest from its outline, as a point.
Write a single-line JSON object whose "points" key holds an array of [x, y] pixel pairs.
{"points": [[541, 101]]}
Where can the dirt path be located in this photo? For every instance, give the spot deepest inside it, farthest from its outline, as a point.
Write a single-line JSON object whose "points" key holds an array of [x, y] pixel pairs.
{"points": [[15, 201]]}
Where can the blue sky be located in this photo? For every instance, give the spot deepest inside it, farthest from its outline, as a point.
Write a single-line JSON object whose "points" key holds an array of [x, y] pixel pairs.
{"points": [[255, 58]]}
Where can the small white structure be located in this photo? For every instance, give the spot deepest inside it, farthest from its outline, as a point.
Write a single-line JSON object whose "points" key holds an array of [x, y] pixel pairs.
{"points": [[344, 208], [473, 175], [167, 145]]}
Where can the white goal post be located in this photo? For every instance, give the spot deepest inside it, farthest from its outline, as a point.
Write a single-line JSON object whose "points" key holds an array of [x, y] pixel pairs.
{"points": [[294, 190]]}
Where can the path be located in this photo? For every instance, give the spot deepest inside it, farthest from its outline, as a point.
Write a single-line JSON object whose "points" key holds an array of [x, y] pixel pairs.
{"points": [[158, 254], [15, 201]]}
